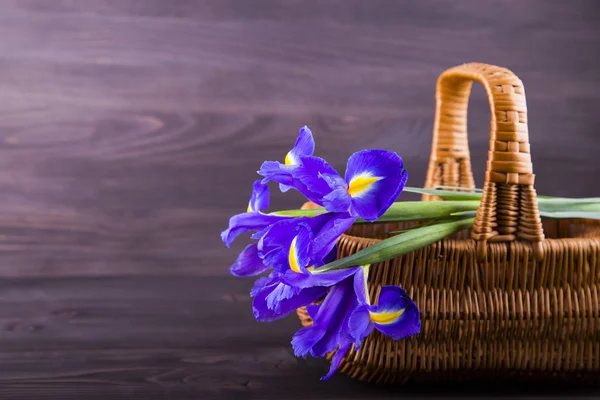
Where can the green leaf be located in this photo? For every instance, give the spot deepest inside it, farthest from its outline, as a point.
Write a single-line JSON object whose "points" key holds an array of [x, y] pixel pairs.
{"points": [[423, 210], [568, 200], [569, 208], [446, 194], [400, 244], [571, 214], [564, 203]]}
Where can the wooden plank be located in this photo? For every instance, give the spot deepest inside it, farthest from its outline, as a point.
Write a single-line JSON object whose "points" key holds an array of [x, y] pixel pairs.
{"points": [[164, 337], [239, 61], [142, 336], [342, 11]]}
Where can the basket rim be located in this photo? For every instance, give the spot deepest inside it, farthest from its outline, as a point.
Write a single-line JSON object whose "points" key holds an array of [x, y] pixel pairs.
{"points": [[581, 221]]}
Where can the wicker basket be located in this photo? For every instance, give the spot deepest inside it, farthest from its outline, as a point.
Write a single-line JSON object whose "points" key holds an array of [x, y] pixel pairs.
{"points": [[503, 301]]}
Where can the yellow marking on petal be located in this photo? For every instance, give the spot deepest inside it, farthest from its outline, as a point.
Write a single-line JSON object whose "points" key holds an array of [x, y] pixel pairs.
{"points": [[386, 318], [293, 258], [249, 209], [289, 159], [366, 272], [361, 183]]}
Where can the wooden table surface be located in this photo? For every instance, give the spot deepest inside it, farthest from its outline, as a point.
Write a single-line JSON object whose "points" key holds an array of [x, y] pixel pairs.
{"points": [[130, 130]]}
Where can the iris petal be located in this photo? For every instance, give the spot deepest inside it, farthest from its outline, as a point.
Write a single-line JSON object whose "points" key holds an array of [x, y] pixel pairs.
{"points": [[276, 171], [312, 310], [393, 298], [313, 173], [328, 343], [304, 146], [288, 176], [337, 359], [259, 200], [299, 250], [280, 234], [327, 230], [338, 200], [375, 179], [312, 278], [248, 222], [360, 325], [306, 178], [260, 284], [304, 340], [396, 315], [274, 299], [278, 295], [248, 263], [333, 179], [332, 317], [360, 285]]}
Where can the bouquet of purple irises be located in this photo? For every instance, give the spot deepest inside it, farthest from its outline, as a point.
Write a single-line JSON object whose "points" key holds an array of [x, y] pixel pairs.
{"points": [[298, 247]]}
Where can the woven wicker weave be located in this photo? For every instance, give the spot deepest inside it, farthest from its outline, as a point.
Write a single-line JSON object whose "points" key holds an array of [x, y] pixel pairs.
{"points": [[504, 301]]}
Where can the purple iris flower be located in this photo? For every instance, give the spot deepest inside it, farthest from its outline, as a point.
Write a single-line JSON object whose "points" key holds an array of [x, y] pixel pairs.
{"points": [[395, 315], [304, 146], [346, 317], [373, 181]]}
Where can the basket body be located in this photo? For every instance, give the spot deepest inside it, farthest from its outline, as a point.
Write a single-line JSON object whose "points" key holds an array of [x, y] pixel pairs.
{"points": [[508, 317], [514, 297]]}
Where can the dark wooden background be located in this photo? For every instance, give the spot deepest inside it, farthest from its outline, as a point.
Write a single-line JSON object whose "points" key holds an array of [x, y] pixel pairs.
{"points": [[130, 130]]}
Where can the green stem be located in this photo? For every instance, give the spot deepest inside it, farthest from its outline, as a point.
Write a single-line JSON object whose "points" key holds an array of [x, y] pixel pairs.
{"points": [[404, 210], [425, 210]]}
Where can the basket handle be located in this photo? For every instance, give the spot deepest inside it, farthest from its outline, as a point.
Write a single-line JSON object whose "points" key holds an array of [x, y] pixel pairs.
{"points": [[508, 209]]}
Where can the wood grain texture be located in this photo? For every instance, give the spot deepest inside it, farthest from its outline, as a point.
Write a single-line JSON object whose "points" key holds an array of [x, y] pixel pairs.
{"points": [[118, 338], [130, 130]]}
